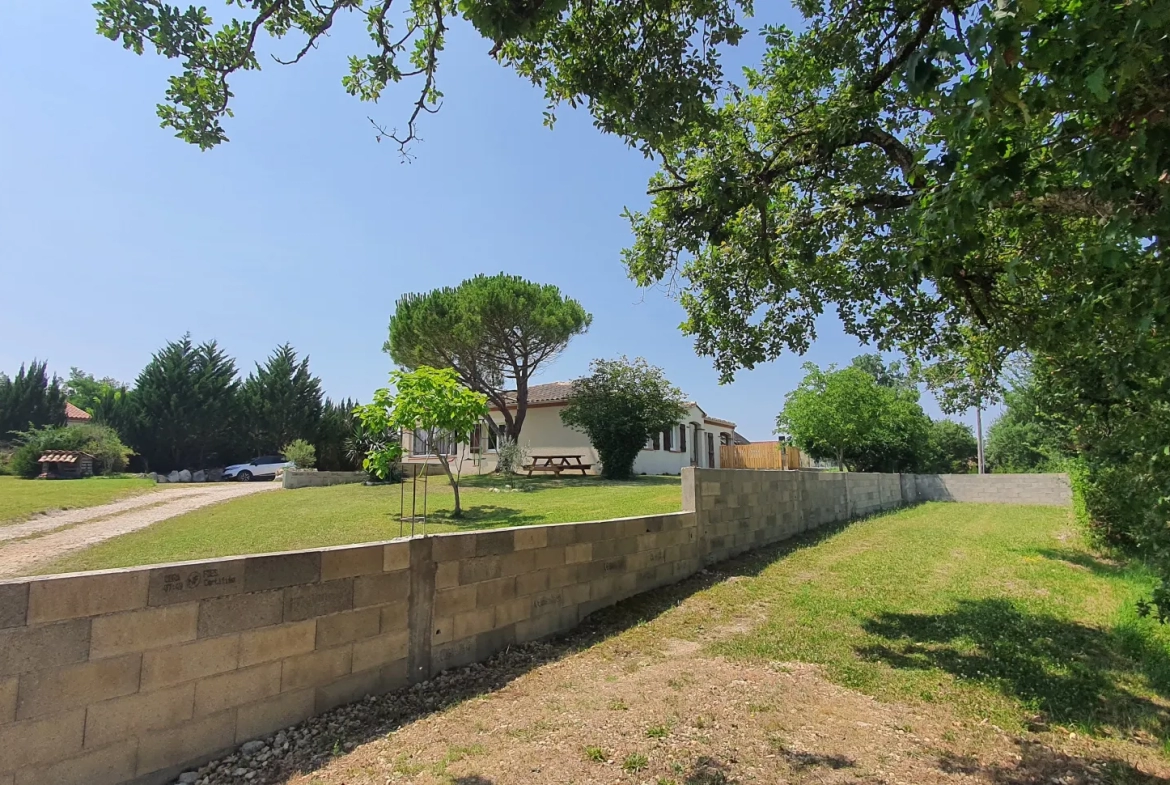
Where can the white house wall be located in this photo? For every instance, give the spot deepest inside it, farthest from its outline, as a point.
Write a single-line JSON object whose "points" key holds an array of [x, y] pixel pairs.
{"points": [[543, 433]]}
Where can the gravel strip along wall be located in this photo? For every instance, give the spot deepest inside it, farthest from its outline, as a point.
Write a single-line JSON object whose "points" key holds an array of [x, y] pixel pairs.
{"points": [[139, 674]]}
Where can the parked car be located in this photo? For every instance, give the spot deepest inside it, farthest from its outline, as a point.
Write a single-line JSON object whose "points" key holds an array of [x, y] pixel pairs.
{"points": [[264, 467]]}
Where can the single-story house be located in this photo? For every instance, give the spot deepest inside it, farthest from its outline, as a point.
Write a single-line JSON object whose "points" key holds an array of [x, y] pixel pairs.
{"points": [[76, 416], [65, 464], [695, 441]]}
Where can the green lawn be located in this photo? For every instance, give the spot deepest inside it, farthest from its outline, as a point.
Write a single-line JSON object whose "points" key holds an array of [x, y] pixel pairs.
{"points": [[344, 514], [998, 611], [20, 498]]}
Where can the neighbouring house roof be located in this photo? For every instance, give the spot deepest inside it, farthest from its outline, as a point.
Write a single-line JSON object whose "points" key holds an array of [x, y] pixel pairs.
{"points": [[74, 413], [718, 421], [739, 438], [62, 456]]}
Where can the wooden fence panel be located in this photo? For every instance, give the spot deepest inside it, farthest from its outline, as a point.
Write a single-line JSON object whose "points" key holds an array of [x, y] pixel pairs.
{"points": [[759, 455]]}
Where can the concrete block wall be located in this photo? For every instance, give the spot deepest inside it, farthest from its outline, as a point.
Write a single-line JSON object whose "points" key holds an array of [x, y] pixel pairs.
{"points": [[1046, 489], [304, 478], [135, 675]]}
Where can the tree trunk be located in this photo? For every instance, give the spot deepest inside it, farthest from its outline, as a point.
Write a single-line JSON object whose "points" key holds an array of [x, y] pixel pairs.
{"points": [[841, 459], [454, 484]]}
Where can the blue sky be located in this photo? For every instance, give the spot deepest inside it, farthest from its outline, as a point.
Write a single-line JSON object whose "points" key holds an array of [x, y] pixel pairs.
{"points": [[118, 237]]}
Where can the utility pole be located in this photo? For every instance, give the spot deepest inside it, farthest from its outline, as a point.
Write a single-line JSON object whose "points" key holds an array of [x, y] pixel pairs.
{"points": [[979, 434]]}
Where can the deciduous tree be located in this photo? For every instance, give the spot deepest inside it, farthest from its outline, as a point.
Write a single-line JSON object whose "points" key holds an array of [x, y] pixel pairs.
{"points": [[619, 405], [426, 399]]}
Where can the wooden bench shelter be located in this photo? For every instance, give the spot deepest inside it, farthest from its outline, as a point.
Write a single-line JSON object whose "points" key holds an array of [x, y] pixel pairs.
{"points": [[65, 465]]}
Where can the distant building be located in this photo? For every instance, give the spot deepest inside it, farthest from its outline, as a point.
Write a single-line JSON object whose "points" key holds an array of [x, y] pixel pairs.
{"points": [[65, 465], [76, 416]]}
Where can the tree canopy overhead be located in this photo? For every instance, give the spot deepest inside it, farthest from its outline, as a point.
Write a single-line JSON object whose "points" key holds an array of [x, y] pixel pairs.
{"points": [[496, 331], [646, 69]]}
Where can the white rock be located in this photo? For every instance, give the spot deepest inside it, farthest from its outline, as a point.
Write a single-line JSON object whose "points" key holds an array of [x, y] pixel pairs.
{"points": [[189, 776], [251, 747], [185, 476], [199, 476], [173, 477]]}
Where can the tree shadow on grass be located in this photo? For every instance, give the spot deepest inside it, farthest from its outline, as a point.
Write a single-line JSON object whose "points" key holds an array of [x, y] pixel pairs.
{"points": [[1039, 763], [1072, 673], [1095, 564]]}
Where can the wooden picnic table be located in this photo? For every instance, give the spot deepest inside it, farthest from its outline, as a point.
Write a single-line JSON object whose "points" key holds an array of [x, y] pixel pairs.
{"points": [[557, 464]]}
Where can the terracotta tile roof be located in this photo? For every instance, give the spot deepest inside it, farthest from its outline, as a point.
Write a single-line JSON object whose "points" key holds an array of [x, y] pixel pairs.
{"points": [[74, 413], [553, 392], [62, 456], [719, 421]]}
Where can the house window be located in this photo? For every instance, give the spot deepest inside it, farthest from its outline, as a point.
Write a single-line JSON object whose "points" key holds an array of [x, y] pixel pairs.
{"points": [[493, 440], [724, 439], [682, 437], [652, 442], [421, 443], [667, 441]]}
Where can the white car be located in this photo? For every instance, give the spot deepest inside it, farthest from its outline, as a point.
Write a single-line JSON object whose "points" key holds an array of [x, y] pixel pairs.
{"points": [[264, 467]]}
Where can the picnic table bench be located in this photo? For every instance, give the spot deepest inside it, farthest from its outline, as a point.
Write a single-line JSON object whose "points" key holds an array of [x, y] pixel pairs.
{"points": [[556, 464]]}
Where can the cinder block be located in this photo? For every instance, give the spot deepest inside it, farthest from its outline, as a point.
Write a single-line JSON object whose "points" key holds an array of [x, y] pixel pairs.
{"points": [[236, 688], [350, 562], [447, 575], [60, 689], [474, 622], [581, 552], [43, 646], [452, 655], [261, 719], [484, 568], [517, 563], [37, 742], [547, 602], [396, 556], [224, 615], [8, 700], [451, 601], [531, 583], [196, 740], [56, 599], [562, 576], [395, 676], [491, 593], [379, 651], [443, 630], [13, 604], [275, 643], [561, 534], [113, 720], [190, 582], [531, 537], [575, 594], [513, 611], [281, 570], [395, 616], [494, 543], [151, 628], [347, 690], [109, 766], [382, 588], [452, 547], [316, 669], [187, 661], [318, 599], [347, 627], [545, 558], [597, 531]]}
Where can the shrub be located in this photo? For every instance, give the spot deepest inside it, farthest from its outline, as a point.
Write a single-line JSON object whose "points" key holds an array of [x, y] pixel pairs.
{"points": [[511, 456], [100, 441], [301, 453]]}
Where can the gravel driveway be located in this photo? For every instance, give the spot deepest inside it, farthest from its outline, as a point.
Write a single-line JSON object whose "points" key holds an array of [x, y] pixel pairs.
{"points": [[24, 546]]}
